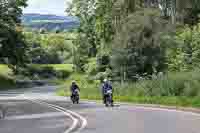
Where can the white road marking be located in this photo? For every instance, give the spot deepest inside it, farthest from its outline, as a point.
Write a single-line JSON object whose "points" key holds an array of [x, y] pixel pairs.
{"points": [[69, 113], [84, 121], [35, 116], [166, 110], [138, 106], [75, 121]]}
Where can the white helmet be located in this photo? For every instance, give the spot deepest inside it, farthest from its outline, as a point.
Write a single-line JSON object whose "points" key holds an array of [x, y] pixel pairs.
{"points": [[105, 80]]}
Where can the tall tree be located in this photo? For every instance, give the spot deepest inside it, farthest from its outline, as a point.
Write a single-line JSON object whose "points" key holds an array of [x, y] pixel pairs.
{"points": [[12, 45]]}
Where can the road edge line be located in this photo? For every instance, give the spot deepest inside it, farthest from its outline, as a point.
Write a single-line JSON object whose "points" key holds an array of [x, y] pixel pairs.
{"points": [[84, 121], [75, 121], [154, 107]]}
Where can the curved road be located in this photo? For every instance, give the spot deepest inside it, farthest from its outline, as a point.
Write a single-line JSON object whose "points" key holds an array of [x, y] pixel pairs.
{"points": [[40, 111]]}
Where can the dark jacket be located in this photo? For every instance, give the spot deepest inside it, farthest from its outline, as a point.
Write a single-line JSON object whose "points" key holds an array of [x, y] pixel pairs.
{"points": [[106, 86], [74, 87]]}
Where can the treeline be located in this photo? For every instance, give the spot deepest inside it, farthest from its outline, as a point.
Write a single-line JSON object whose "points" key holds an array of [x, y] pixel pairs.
{"points": [[19, 48], [136, 38], [48, 47], [12, 42], [51, 23]]}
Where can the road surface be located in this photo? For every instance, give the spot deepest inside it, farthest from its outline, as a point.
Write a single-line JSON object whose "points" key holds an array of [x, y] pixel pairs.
{"points": [[38, 110]]}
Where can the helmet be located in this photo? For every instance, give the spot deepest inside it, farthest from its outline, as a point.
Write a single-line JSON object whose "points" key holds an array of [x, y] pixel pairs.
{"points": [[73, 81], [105, 80]]}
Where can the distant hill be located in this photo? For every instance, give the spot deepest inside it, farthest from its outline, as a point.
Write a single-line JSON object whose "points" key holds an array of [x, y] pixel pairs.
{"points": [[49, 22]]}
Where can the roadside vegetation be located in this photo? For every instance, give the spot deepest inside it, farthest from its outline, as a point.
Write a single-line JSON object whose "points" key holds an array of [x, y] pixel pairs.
{"points": [[174, 89], [151, 54], [6, 78], [53, 73]]}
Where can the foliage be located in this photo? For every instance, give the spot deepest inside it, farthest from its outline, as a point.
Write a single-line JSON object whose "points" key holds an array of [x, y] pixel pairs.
{"points": [[103, 62], [6, 79], [48, 48], [47, 71], [184, 55], [5, 71], [80, 53], [91, 68], [84, 84], [140, 46], [171, 84], [95, 26], [170, 89], [152, 45], [12, 45]]}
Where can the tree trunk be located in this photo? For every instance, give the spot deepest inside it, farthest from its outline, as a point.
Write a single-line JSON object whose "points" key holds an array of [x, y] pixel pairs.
{"points": [[122, 75]]}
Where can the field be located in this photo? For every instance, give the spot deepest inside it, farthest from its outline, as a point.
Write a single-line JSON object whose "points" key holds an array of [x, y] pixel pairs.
{"points": [[65, 67], [6, 79]]}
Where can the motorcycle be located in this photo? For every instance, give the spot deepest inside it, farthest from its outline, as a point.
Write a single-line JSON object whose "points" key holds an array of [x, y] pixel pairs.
{"points": [[108, 98], [75, 97]]}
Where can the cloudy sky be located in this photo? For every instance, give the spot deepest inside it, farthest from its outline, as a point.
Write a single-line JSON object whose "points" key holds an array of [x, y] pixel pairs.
{"points": [[47, 6]]}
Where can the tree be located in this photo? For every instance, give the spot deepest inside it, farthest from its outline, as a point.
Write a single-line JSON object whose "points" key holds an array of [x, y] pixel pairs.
{"points": [[139, 47], [86, 42], [50, 48], [80, 51], [13, 47]]}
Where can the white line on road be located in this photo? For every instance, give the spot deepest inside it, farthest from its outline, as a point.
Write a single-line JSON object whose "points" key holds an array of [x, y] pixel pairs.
{"points": [[69, 113], [75, 121], [168, 110], [35, 116], [84, 121], [146, 107]]}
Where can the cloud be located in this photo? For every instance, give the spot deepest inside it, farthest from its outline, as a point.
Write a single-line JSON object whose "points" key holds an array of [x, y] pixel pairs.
{"points": [[47, 6], [36, 3], [44, 2]]}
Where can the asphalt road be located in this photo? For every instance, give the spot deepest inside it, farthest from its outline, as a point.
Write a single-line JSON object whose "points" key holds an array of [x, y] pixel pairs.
{"points": [[38, 110]]}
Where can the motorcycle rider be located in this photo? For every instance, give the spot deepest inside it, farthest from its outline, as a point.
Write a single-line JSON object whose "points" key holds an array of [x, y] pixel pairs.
{"points": [[73, 88], [106, 87]]}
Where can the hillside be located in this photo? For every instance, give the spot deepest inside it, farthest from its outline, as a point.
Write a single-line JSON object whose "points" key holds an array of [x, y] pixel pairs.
{"points": [[49, 22]]}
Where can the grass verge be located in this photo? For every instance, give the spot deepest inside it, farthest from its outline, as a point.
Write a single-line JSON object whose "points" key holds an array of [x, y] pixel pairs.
{"points": [[178, 89], [6, 79]]}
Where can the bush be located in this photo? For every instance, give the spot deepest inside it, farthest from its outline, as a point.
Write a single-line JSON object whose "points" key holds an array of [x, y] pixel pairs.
{"points": [[88, 87], [140, 47], [6, 83], [43, 72], [171, 84], [179, 89], [180, 84], [62, 74], [103, 62], [184, 54], [102, 75], [92, 68]]}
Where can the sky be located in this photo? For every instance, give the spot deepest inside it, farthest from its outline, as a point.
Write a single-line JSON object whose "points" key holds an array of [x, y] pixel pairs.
{"points": [[56, 7]]}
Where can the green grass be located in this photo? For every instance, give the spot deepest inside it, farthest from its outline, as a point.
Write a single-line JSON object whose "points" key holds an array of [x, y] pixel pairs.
{"points": [[4, 70], [65, 67], [59, 67], [174, 89], [92, 92], [88, 89], [6, 79]]}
